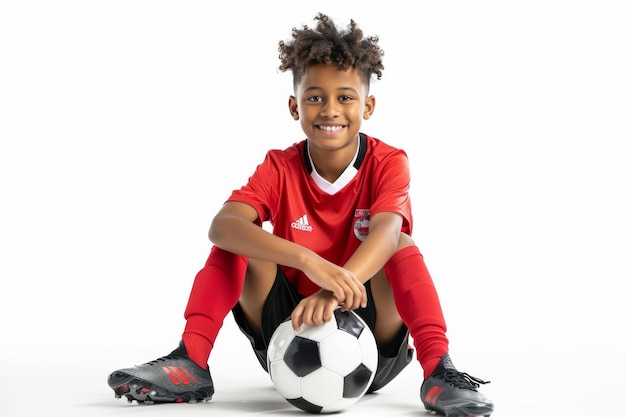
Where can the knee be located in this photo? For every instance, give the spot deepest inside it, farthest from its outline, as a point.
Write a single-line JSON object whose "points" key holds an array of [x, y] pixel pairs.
{"points": [[405, 241], [260, 274], [257, 267]]}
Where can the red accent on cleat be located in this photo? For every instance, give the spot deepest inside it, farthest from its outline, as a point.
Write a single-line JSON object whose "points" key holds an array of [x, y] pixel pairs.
{"points": [[189, 374], [433, 394], [179, 375]]}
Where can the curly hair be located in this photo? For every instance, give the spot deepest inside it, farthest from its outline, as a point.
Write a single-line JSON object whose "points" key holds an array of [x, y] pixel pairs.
{"points": [[327, 45]]}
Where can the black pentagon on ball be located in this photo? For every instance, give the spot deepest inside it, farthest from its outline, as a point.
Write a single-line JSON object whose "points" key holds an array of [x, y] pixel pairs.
{"points": [[303, 404], [356, 381], [348, 323], [303, 356]]}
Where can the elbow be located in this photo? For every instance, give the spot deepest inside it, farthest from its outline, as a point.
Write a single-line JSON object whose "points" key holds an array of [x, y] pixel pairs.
{"points": [[215, 232]]}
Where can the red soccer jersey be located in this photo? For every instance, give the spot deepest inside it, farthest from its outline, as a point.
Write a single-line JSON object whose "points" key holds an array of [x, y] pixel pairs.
{"points": [[330, 219]]}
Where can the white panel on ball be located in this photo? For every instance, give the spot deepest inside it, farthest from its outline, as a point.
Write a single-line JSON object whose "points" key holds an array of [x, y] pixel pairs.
{"points": [[322, 387], [288, 385], [341, 361]]}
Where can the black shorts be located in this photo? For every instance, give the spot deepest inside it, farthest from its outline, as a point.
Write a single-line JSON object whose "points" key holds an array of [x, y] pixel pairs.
{"points": [[281, 301]]}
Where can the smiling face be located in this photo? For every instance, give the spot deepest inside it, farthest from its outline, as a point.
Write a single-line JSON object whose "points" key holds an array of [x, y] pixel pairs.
{"points": [[331, 105]]}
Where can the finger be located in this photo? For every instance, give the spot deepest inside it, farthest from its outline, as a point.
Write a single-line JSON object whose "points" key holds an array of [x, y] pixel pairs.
{"points": [[307, 315], [363, 299], [360, 300], [357, 294], [296, 323], [339, 293], [350, 295], [328, 314], [296, 318], [318, 315]]}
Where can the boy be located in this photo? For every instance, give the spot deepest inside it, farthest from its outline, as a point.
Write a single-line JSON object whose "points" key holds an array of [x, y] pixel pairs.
{"points": [[339, 205]]}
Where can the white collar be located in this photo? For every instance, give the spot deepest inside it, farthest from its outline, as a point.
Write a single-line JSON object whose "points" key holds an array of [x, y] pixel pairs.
{"points": [[346, 176]]}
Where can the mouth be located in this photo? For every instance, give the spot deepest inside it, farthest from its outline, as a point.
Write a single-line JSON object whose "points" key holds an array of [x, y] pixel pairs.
{"points": [[331, 128]]}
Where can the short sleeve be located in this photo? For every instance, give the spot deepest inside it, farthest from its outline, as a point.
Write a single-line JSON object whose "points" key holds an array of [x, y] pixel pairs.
{"points": [[391, 188], [260, 191]]}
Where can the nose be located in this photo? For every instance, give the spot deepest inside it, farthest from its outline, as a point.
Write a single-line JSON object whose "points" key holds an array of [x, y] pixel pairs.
{"points": [[330, 109]]}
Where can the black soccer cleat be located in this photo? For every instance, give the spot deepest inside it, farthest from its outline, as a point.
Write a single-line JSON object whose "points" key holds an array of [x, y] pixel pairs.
{"points": [[171, 379], [453, 394]]}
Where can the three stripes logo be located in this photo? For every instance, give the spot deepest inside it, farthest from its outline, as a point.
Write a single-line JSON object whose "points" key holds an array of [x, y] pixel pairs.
{"points": [[179, 375], [302, 224]]}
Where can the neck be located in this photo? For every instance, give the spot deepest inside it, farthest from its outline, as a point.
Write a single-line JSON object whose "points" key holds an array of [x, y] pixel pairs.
{"points": [[331, 164]]}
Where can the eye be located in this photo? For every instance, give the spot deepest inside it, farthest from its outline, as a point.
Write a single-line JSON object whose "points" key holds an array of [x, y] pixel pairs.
{"points": [[344, 99], [315, 99]]}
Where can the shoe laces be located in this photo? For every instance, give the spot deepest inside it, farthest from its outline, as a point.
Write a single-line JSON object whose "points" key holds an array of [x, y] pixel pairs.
{"points": [[177, 353], [162, 359], [460, 379]]}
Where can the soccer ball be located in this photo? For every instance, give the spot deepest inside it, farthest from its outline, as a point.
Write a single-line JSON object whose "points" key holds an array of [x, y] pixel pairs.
{"points": [[326, 368]]}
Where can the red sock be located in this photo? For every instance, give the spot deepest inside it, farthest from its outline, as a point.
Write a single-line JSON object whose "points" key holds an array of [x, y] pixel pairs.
{"points": [[216, 290], [418, 304]]}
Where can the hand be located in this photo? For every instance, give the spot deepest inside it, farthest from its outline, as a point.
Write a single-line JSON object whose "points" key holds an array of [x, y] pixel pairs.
{"points": [[349, 292], [314, 310]]}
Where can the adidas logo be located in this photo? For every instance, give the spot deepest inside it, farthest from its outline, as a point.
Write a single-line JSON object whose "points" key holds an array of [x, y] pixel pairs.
{"points": [[302, 224], [179, 375]]}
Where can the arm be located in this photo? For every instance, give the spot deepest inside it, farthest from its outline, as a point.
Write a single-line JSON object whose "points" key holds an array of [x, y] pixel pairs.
{"points": [[233, 229], [381, 243]]}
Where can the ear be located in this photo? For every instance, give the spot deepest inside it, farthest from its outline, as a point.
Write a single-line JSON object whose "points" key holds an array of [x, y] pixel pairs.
{"points": [[370, 104], [293, 108]]}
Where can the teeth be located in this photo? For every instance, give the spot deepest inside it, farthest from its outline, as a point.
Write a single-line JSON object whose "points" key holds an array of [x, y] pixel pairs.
{"points": [[331, 128]]}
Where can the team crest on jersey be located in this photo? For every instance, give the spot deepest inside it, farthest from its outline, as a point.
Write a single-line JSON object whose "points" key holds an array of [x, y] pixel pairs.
{"points": [[361, 223]]}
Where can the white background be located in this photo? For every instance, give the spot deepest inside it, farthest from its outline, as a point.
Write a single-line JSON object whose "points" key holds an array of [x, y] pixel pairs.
{"points": [[125, 124]]}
